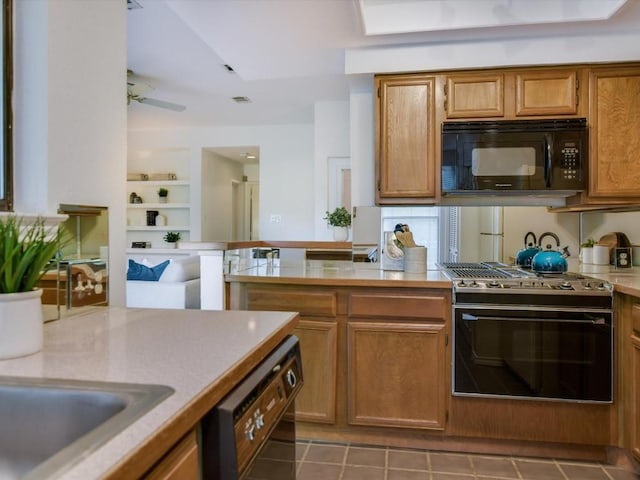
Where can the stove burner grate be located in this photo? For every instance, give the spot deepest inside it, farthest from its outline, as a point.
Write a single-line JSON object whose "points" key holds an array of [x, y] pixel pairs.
{"points": [[482, 272]]}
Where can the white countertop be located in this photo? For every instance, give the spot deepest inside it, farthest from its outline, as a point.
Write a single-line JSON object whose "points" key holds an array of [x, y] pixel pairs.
{"points": [[188, 350], [332, 272]]}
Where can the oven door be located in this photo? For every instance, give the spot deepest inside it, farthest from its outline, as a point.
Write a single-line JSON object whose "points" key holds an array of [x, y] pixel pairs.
{"points": [[554, 354]]}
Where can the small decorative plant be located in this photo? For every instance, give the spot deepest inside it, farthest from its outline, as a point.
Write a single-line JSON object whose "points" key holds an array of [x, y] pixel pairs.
{"points": [[340, 217], [163, 194], [26, 252], [172, 237], [589, 242]]}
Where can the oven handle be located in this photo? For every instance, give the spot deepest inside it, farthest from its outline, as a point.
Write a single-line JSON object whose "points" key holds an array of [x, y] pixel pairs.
{"points": [[595, 321]]}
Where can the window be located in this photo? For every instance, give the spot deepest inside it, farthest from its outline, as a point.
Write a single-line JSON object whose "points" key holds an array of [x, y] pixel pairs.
{"points": [[6, 176], [433, 227]]}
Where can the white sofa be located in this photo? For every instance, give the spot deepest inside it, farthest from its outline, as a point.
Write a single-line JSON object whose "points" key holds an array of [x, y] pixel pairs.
{"points": [[178, 286]]}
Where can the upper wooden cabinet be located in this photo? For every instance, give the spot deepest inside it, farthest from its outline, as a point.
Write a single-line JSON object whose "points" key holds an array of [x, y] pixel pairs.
{"points": [[407, 169], [614, 117], [473, 96], [547, 93], [511, 94]]}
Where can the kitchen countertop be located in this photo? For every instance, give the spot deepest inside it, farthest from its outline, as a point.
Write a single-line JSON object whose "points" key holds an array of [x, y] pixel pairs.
{"points": [[336, 273], [200, 354]]}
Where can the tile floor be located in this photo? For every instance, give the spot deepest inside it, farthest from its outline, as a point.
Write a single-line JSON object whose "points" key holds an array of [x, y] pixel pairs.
{"points": [[323, 461]]}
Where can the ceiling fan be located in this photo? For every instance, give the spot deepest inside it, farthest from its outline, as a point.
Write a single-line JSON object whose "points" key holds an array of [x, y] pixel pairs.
{"points": [[137, 91]]}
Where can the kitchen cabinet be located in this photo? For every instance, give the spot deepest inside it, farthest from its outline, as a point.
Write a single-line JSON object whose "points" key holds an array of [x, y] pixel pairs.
{"points": [[474, 96], [614, 118], [512, 94], [635, 401], [407, 139], [180, 463], [318, 335], [397, 350]]}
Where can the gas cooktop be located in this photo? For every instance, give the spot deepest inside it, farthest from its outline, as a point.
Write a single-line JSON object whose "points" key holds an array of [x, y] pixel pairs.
{"points": [[486, 277]]}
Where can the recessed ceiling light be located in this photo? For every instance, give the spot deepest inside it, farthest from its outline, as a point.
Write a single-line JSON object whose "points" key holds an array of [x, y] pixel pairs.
{"points": [[251, 157], [241, 99]]}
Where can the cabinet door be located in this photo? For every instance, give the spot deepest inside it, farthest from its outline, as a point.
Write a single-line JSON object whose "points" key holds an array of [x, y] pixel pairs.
{"points": [[474, 96], [318, 335], [181, 463], [406, 133], [635, 414], [547, 93], [316, 401], [396, 374], [614, 115]]}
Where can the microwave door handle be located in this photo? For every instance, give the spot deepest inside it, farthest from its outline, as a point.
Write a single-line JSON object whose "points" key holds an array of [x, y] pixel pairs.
{"points": [[547, 161]]}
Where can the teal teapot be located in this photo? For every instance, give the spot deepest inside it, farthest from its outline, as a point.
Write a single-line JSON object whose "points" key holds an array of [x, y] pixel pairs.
{"points": [[549, 260], [524, 256]]}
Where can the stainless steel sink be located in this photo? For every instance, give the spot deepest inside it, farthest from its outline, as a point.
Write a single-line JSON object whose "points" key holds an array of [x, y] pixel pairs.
{"points": [[46, 425]]}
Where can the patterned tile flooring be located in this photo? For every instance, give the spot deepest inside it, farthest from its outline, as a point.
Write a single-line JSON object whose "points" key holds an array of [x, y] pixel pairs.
{"points": [[325, 461]]}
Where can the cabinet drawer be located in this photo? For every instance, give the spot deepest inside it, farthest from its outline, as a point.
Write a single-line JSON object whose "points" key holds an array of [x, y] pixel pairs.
{"points": [[398, 306], [635, 318], [319, 304]]}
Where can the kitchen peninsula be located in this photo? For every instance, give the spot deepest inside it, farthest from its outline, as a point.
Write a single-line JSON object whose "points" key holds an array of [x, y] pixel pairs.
{"points": [[201, 355], [378, 352]]}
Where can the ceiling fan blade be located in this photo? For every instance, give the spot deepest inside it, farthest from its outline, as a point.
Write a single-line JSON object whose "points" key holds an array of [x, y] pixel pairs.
{"points": [[161, 103]]}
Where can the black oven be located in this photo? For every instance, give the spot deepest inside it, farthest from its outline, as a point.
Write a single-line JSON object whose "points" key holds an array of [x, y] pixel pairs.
{"points": [[521, 334], [251, 433], [546, 157], [542, 353]]}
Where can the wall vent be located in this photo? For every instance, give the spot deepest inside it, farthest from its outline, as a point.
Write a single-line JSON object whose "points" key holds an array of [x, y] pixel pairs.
{"points": [[241, 99]]}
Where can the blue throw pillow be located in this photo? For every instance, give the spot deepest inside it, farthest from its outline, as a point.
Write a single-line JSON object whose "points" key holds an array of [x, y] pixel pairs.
{"points": [[137, 271]]}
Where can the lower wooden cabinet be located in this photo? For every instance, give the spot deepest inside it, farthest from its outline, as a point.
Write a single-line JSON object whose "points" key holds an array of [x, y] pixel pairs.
{"points": [[396, 374], [180, 463], [635, 415], [316, 401], [318, 334]]}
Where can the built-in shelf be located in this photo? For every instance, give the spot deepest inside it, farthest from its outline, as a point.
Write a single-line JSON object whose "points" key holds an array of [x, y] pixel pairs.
{"points": [[158, 205], [163, 228], [158, 183]]}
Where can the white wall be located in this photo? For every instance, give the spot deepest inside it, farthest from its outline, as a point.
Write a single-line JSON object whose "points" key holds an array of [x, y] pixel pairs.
{"points": [[286, 170], [331, 140], [70, 113], [596, 224]]}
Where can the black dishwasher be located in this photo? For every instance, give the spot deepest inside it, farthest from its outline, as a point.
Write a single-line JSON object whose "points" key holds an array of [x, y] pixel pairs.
{"points": [[251, 433]]}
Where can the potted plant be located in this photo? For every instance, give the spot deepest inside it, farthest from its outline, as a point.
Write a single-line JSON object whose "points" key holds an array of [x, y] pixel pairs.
{"points": [[586, 250], [171, 238], [26, 253], [163, 193], [340, 220]]}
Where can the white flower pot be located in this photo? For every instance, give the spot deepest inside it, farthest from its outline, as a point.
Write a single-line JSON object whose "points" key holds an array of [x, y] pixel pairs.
{"points": [[21, 324], [340, 234]]}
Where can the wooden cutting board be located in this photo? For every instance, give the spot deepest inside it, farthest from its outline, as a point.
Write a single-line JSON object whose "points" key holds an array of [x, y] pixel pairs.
{"points": [[614, 240]]}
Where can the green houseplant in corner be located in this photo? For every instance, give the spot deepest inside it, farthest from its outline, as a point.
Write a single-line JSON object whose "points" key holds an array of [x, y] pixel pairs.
{"points": [[340, 220], [26, 253]]}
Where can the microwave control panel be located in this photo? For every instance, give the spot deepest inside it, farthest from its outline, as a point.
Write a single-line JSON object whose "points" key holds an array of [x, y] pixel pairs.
{"points": [[570, 161]]}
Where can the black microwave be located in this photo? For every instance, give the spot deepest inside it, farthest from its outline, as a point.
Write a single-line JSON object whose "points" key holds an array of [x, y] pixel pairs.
{"points": [[519, 157]]}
